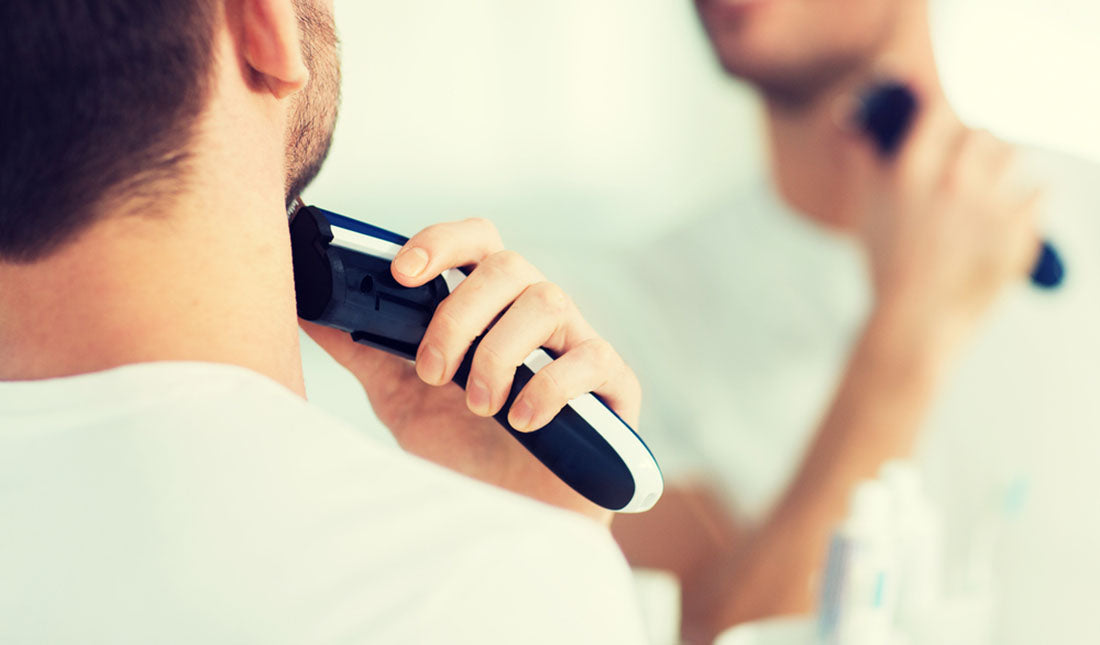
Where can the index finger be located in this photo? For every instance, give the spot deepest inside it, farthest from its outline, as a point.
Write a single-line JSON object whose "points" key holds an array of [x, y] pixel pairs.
{"points": [[445, 246]]}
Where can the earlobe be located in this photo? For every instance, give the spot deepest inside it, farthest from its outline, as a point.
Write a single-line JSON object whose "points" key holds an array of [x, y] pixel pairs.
{"points": [[272, 45]]}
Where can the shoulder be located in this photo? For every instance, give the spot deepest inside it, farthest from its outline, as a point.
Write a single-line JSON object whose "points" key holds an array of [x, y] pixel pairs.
{"points": [[431, 555], [226, 508], [549, 582]]}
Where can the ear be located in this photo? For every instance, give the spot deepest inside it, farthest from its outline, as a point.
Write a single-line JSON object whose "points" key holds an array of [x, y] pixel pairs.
{"points": [[271, 45]]}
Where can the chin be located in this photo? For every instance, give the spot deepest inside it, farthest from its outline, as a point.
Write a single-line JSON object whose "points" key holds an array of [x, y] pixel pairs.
{"points": [[788, 48], [784, 72], [748, 44], [761, 63]]}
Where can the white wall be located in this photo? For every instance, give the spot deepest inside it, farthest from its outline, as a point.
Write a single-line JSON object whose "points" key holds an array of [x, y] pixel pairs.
{"points": [[554, 117], [1026, 69]]}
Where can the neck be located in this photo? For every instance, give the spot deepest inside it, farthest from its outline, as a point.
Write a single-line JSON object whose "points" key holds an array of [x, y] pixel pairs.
{"points": [[206, 278], [804, 139]]}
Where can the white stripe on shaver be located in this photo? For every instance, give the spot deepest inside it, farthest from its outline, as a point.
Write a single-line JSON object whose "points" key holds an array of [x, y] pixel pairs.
{"points": [[356, 241]]}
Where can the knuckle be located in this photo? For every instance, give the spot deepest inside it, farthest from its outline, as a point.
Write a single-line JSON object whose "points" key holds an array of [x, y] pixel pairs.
{"points": [[480, 222], [490, 363], [506, 262], [619, 375], [550, 297], [547, 389], [485, 226], [445, 326], [601, 352], [432, 234]]}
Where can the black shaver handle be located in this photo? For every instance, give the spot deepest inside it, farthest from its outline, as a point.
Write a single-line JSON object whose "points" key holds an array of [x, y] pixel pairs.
{"points": [[885, 114]]}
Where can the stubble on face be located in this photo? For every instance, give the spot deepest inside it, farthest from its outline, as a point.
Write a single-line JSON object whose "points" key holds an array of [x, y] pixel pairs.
{"points": [[313, 116]]}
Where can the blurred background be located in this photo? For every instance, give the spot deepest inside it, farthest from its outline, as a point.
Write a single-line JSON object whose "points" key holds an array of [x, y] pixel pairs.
{"points": [[580, 125], [606, 122]]}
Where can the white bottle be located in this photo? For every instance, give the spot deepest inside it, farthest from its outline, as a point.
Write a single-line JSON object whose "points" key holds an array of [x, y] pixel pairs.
{"points": [[918, 535], [858, 602]]}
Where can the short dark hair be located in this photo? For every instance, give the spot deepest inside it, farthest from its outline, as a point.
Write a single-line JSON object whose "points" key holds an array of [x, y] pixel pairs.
{"points": [[97, 98]]}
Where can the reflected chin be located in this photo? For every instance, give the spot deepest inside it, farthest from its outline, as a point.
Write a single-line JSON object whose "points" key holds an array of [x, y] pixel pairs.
{"points": [[785, 74]]}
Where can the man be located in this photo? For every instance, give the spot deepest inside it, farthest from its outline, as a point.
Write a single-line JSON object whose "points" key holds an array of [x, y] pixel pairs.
{"points": [[162, 479], [794, 329]]}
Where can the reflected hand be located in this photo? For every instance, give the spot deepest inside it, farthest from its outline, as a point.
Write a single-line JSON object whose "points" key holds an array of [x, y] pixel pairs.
{"points": [[944, 225]]}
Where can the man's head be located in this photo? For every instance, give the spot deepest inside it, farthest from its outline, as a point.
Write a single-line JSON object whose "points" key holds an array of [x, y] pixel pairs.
{"points": [[101, 103], [793, 50]]}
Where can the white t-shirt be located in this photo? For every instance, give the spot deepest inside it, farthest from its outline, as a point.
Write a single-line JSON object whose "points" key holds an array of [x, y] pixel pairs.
{"points": [[740, 324], [198, 503]]}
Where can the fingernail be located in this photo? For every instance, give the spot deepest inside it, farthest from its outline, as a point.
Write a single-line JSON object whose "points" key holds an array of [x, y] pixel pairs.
{"points": [[411, 262], [521, 415], [430, 365], [478, 398]]}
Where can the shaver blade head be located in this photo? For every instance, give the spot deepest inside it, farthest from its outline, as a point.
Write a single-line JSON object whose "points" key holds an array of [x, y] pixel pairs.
{"points": [[293, 206], [885, 113]]}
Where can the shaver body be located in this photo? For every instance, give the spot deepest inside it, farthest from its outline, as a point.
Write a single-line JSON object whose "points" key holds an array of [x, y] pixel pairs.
{"points": [[343, 280]]}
